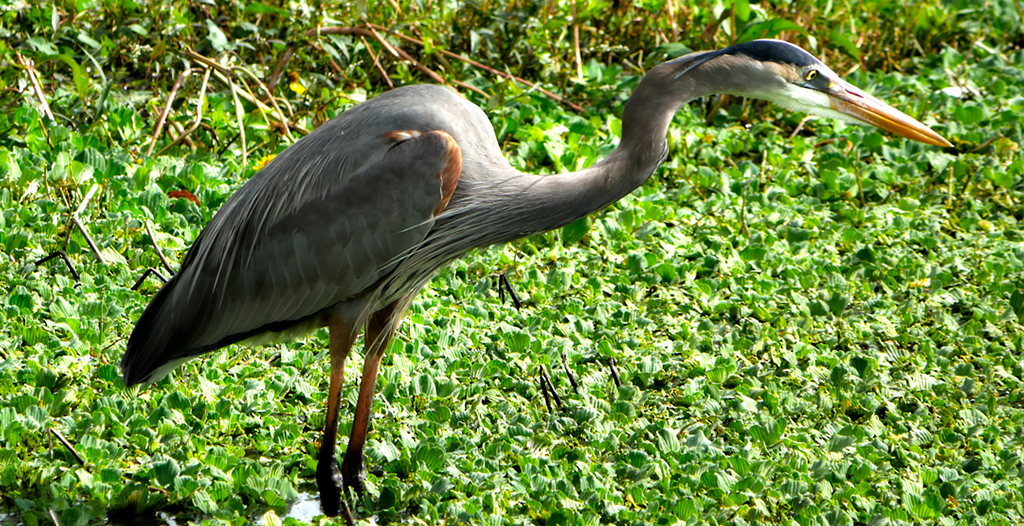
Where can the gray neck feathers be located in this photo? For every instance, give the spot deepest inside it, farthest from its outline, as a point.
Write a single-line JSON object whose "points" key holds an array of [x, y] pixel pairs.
{"points": [[503, 204]]}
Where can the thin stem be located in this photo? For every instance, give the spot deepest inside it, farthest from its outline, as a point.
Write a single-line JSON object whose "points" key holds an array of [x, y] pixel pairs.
{"points": [[199, 113], [167, 109]]}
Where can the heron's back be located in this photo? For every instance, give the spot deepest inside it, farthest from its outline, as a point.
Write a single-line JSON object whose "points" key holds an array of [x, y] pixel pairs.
{"points": [[325, 222]]}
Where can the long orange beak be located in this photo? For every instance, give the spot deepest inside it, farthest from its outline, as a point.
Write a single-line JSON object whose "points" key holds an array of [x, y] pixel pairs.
{"points": [[851, 100]]}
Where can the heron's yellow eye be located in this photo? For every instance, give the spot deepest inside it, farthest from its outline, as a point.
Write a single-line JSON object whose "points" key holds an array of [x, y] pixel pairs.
{"points": [[811, 75]]}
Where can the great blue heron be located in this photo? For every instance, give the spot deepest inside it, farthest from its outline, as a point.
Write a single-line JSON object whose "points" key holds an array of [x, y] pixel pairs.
{"points": [[344, 227]]}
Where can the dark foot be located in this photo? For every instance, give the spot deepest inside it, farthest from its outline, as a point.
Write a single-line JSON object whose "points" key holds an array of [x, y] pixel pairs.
{"points": [[354, 474], [329, 482]]}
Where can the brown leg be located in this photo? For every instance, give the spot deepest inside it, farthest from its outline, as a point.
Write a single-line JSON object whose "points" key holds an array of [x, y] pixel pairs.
{"points": [[328, 480], [379, 330]]}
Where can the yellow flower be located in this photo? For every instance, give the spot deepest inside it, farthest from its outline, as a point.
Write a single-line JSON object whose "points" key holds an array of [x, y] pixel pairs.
{"points": [[924, 282], [265, 160], [295, 84]]}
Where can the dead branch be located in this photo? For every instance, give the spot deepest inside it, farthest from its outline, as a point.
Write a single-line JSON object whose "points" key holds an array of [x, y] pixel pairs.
{"points": [[371, 30], [376, 62], [30, 68], [546, 378], [615, 372], [199, 114], [160, 253], [81, 227], [488, 69], [167, 109], [568, 373], [68, 445]]}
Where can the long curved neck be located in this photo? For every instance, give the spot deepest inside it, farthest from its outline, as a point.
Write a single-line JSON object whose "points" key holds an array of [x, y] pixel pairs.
{"points": [[496, 204], [563, 198]]}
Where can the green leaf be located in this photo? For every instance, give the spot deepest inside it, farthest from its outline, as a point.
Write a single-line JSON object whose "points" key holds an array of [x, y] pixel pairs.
{"points": [[178, 401], [273, 498], [42, 46], [259, 8], [742, 9], [798, 235], [61, 309], [431, 458], [441, 486], [908, 204], [25, 302], [87, 40], [1017, 302], [575, 231], [82, 84], [866, 254], [739, 464], [769, 433], [166, 471], [754, 253], [217, 38], [668, 441], [517, 341], [387, 498], [769, 29], [424, 386], [673, 49], [844, 42], [840, 442], [387, 451], [837, 303], [818, 308], [970, 113]]}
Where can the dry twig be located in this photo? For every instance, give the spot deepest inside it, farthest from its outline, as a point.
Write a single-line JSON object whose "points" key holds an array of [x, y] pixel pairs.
{"points": [[30, 68], [488, 69], [167, 109], [273, 102], [547, 397], [576, 40], [142, 278], [160, 253], [615, 372], [223, 73], [800, 126], [546, 378], [67, 262], [68, 445], [81, 227], [199, 114], [239, 116], [568, 373], [371, 30], [504, 285], [376, 62]]}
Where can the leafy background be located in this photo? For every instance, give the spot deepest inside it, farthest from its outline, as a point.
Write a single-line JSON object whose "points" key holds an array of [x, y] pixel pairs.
{"points": [[811, 323]]}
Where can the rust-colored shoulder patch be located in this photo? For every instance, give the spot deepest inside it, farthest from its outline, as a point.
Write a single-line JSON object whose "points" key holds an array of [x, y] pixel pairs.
{"points": [[449, 175], [449, 149]]}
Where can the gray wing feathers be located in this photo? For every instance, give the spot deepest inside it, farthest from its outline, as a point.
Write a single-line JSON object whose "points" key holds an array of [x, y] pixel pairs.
{"points": [[294, 241], [333, 246]]}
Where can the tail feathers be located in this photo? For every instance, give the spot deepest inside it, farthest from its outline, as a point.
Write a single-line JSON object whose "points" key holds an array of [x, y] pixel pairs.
{"points": [[154, 342], [164, 336]]}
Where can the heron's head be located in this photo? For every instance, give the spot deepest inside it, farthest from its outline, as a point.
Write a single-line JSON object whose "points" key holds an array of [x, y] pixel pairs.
{"points": [[787, 75]]}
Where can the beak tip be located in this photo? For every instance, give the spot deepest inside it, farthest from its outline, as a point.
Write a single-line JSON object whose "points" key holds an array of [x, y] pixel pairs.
{"points": [[936, 140]]}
